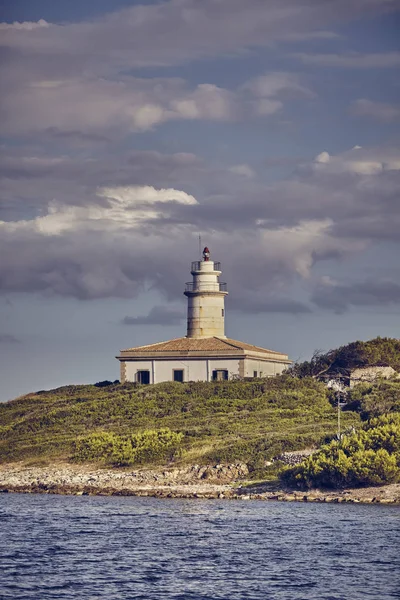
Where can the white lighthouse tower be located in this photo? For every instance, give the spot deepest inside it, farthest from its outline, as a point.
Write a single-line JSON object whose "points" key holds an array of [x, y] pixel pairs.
{"points": [[206, 299]]}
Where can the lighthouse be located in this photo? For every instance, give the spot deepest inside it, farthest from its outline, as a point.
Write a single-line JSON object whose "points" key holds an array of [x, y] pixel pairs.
{"points": [[205, 353], [206, 299]]}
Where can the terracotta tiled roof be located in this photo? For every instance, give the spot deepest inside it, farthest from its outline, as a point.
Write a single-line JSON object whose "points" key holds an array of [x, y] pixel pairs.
{"points": [[212, 344]]}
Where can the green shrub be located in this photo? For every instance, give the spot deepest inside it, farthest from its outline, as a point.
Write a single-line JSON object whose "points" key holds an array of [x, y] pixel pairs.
{"points": [[379, 351], [375, 399], [145, 447], [370, 456]]}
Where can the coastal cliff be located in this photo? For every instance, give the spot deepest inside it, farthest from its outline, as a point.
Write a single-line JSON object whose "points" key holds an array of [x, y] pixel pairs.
{"points": [[195, 481]]}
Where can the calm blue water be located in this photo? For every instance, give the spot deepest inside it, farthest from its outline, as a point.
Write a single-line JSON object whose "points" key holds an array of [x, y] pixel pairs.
{"points": [[121, 548]]}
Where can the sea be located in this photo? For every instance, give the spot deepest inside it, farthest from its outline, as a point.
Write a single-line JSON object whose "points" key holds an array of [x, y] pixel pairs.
{"points": [[91, 547]]}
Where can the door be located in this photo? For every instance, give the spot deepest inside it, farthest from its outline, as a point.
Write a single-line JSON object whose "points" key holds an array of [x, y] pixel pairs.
{"points": [[143, 377]]}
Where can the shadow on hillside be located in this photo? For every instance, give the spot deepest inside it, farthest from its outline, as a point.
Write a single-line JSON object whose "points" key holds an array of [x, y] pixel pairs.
{"points": [[260, 487]]}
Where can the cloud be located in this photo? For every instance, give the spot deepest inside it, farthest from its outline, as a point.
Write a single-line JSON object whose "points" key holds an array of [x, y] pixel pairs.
{"points": [[98, 109], [6, 338], [108, 107], [377, 110], [259, 304], [266, 89], [243, 170], [24, 26], [126, 237], [272, 84], [362, 161], [206, 102], [158, 315], [353, 60], [76, 79], [340, 296], [126, 208], [117, 256], [358, 161], [88, 214], [177, 31], [135, 195]]}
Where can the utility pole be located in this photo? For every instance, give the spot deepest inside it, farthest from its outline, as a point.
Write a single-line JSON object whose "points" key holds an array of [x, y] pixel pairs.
{"points": [[336, 384]]}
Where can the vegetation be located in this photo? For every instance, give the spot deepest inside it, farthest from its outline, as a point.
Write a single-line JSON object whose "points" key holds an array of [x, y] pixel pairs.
{"points": [[148, 446], [341, 361], [250, 421], [370, 456], [375, 399]]}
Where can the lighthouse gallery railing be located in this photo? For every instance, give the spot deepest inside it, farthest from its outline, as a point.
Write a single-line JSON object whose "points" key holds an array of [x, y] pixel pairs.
{"points": [[206, 287], [196, 265]]}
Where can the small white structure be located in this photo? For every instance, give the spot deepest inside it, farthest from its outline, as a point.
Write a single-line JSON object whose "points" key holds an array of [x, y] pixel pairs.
{"points": [[205, 354], [371, 374]]}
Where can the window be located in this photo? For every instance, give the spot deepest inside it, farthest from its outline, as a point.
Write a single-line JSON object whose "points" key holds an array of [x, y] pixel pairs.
{"points": [[254, 373], [220, 375], [143, 377], [178, 375], [223, 312]]}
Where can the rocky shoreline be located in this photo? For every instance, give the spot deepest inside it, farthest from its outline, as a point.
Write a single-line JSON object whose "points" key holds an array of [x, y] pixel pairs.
{"points": [[195, 481]]}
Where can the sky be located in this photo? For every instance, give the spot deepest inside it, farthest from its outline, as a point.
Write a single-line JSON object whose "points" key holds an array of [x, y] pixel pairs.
{"points": [[269, 127]]}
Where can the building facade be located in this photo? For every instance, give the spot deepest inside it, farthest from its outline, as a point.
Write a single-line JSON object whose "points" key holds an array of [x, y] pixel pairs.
{"points": [[205, 354]]}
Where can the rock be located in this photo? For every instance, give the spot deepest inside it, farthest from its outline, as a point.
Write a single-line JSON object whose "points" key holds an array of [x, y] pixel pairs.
{"points": [[295, 457]]}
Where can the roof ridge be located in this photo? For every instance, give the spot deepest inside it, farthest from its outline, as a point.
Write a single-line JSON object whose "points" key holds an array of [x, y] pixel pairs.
{"points": [[254, 346], [225, 340], [155, 344]]}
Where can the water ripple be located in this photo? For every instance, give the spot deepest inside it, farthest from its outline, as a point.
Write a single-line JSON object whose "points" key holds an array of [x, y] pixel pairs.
{"points": [[90, 548]]}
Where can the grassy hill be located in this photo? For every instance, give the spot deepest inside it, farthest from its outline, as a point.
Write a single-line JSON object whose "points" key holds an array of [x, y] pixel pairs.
{"points": [[250, 421]]}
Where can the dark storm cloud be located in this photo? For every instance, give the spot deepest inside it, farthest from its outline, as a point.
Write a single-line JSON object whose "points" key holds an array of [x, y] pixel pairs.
{"points": [[6, 338], [76, 79], [381, 111], [117, 243], [140, 167], [341, 296], [180, 30], [352, 60], [256, 305], [87, 218], [158, 315], [110, 108]]}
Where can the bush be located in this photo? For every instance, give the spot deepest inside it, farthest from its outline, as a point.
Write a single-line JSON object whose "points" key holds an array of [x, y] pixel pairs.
{"points": [[370, 456], [106, 383], [379, 351], [147, 446], [375, 399]]}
